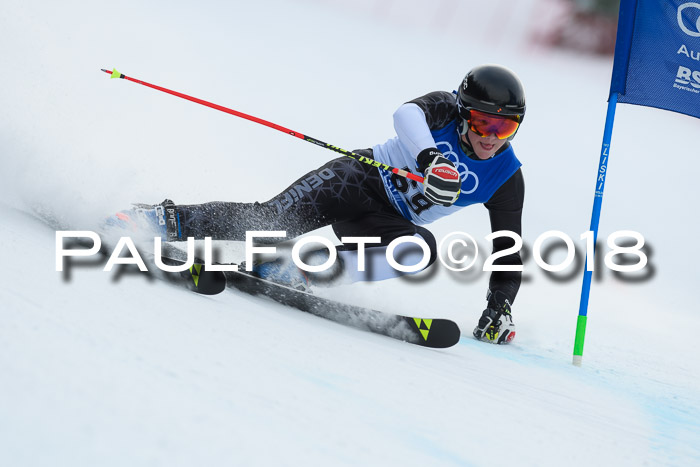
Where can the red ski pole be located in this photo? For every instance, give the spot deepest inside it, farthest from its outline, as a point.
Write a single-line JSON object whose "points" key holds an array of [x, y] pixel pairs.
{"points": [[365, 160]]}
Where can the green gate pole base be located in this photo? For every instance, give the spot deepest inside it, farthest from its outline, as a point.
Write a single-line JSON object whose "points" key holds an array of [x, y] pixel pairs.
{"points": [[580, 337]]}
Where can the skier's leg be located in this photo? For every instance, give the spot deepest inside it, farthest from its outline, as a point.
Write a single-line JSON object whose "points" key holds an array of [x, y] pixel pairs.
{"points": [[342, 189], [389, 227], [354, 263]]}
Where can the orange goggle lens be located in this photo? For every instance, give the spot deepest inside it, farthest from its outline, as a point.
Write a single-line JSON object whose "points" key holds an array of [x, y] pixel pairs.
{"points": [[484, 124]]}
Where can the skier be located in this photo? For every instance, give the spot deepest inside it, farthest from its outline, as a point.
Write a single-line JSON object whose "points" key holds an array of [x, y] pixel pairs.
{"points": [[459, 142]]}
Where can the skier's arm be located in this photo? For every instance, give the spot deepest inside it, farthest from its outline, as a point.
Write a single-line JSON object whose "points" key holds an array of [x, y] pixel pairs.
{"points": [[412, 129], [505, 211], [439, 107], [414, 120], [442, 183]]}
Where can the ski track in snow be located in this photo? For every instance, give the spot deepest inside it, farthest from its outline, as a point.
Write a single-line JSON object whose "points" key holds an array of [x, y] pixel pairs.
{"points": [[124, 369]]}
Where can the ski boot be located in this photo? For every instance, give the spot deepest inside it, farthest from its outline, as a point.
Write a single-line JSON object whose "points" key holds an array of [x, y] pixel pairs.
{"points": [[159, 219], [280, 272]]}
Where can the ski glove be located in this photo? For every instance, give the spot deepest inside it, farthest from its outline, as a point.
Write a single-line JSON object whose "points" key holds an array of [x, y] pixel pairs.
{"points": [[442, 183], [496, 322]]}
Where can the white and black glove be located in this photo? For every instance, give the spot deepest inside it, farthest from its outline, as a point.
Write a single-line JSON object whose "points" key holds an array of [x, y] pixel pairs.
{"points": [[496, 322], [441, 184]]}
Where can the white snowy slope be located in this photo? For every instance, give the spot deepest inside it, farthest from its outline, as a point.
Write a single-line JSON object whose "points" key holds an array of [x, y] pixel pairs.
{"points": [[121, 369]]}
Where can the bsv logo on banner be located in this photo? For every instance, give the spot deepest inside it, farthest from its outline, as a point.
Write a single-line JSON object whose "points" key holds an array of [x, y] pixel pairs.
{"points": [[686, 76], [694, 30]]}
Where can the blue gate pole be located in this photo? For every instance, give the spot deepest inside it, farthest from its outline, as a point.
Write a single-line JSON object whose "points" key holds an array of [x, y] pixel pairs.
{"points": [[595, 219]]}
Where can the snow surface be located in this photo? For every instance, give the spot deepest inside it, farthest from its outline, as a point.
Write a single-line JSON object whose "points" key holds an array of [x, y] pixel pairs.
{"points": [[121, 369]]}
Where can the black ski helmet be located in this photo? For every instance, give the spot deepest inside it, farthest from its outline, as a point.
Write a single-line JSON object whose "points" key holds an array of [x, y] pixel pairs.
{"points": [[492, 89]]}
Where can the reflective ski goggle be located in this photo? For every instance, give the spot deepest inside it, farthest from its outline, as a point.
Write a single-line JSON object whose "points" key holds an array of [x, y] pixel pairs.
{"points": [[484, 124]]}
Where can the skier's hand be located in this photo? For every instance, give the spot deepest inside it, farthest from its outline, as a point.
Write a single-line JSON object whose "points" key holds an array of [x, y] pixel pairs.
{"points": [[496, 322], [441, 184]]}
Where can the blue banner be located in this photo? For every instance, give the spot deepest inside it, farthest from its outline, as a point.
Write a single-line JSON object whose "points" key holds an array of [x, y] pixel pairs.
{"points": [[657, 55]]}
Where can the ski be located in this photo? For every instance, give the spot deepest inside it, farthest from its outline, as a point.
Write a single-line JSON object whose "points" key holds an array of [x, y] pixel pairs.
{"points": [[435, 333]]}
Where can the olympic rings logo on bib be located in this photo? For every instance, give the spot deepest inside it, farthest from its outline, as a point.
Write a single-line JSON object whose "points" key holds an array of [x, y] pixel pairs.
{"points": [[462, 168]]}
